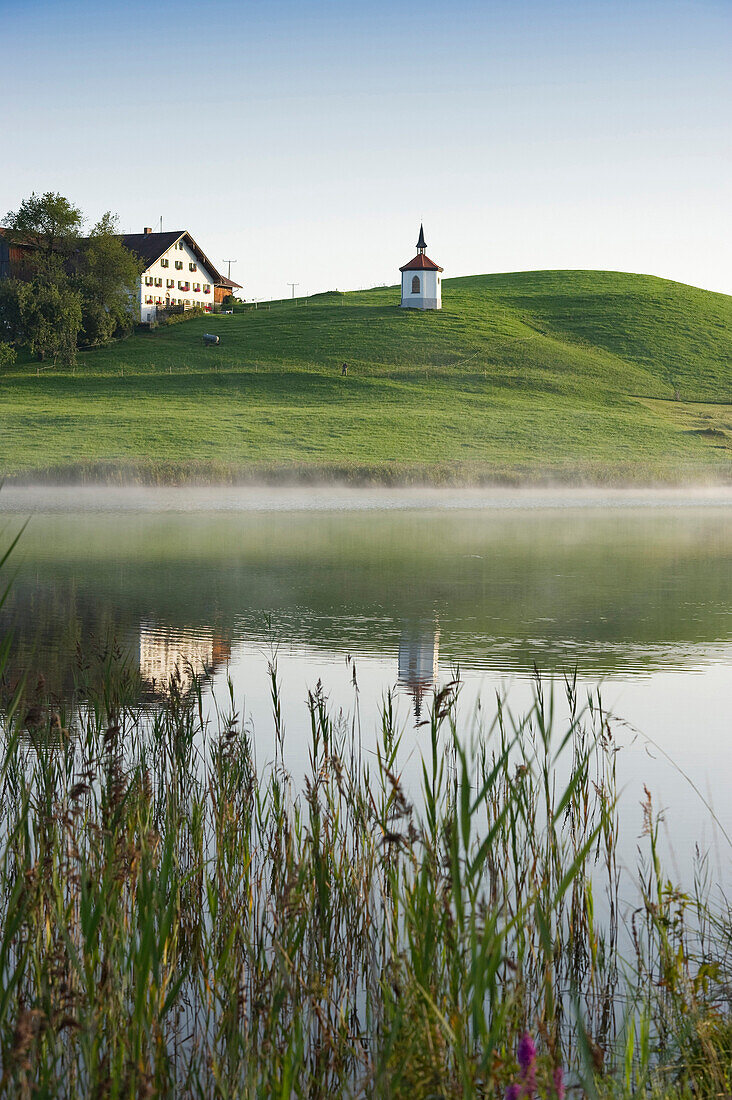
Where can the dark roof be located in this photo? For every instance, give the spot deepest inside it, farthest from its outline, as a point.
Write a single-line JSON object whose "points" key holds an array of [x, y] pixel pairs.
{"points": [[421, 263], [151, 246], [223, 281], [421, 243]]}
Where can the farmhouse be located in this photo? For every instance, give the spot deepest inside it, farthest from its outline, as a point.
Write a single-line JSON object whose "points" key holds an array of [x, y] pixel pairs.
{"points": [[176, 273]]}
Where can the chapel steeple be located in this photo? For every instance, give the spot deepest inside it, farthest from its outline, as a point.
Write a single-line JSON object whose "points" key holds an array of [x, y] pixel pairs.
{"points": [[421, 243]]}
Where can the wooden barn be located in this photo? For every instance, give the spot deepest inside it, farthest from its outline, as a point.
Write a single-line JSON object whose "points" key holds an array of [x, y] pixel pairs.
{"points": [[16, 257], [224, 288]]}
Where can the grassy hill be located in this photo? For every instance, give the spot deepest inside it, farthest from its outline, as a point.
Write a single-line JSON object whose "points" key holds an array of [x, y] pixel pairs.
{"points": [[597, 376]]}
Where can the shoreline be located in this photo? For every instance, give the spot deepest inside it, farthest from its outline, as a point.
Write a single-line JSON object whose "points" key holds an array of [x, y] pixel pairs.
{"points": [[397, 475]]}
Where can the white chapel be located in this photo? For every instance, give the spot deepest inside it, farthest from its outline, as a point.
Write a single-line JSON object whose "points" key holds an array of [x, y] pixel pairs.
{"points": [[421, 280]]}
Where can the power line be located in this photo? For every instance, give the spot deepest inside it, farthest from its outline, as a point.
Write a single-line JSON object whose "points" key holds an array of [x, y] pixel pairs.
{"points": [[293, 285], [229, 262]]}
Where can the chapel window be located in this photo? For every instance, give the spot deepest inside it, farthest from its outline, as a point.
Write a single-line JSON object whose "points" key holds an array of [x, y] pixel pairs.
{"points": [[415, 285]]}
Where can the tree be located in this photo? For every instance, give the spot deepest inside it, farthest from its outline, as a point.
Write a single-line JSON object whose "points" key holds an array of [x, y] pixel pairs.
{"points": [[73, 290], [49, 221], [108, 278], [52, 319], [43, 310], [45, 316]]}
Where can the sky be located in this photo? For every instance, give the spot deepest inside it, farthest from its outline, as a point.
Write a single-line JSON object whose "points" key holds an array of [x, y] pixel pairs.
{"points": [[306, 141]]}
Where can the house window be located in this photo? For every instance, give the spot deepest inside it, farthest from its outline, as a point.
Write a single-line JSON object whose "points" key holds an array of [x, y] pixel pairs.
{"points": [[179, 265], [148, 280], [193, 267], [415, 285], [169, 283], [158, 282], [164, 263], [206, 288]]}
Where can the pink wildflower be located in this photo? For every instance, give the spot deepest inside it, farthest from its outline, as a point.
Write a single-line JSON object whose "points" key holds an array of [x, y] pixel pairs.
{"points": [[526, 1055]]}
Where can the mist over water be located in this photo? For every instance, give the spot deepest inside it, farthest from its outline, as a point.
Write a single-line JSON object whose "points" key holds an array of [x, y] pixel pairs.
{"points": [[30, 499]]}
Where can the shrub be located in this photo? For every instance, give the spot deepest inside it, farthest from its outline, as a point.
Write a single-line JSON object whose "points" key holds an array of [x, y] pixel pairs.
{"points": [[7, 355], [188, 315]]}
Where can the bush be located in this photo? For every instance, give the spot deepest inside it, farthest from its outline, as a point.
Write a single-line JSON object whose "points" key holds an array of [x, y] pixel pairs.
{"points": [[188, 315], [7, 355]]}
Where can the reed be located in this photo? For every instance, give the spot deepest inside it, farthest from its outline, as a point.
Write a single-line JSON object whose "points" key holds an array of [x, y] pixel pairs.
{"points": [[179, 919]]}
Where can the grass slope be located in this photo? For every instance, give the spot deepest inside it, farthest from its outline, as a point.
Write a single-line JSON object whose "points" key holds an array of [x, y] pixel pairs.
{"points": [[565, 374]]}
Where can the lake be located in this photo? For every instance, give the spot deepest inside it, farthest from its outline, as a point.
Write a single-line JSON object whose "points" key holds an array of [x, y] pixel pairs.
{"points": [[406, 590]]}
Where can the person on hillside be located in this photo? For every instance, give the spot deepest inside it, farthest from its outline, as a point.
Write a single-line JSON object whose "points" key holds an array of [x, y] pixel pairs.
{"points": [[344, 369]]}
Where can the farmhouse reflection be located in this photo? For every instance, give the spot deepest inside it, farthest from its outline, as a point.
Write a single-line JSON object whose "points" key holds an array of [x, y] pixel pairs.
{"points": [[168, 655]]}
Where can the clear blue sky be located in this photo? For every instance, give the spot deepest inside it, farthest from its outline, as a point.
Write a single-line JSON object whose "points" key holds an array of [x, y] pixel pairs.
{"points": [[307, 140]]}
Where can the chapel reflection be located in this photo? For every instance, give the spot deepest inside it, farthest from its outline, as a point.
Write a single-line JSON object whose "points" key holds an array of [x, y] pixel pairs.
{"points": [[419, 655]]}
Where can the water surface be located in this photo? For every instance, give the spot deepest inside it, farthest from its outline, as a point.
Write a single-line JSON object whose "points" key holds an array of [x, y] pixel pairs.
{"points": [[631, 592]]}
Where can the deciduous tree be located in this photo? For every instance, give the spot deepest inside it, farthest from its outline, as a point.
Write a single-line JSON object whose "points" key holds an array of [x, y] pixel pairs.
{"points": [[75, 289], [48, 221], [108, 277], [44, 316]]}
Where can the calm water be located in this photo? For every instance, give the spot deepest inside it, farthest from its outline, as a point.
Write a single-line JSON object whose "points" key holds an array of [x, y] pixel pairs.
{"points": [[632, 592]]}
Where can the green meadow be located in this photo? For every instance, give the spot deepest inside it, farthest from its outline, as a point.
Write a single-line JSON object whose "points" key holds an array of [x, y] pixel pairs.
{"points": [[533, 376]]}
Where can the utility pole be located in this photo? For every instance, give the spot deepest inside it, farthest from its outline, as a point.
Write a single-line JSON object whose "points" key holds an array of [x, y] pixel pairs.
{"points": [[229, 262], [293, 285]]}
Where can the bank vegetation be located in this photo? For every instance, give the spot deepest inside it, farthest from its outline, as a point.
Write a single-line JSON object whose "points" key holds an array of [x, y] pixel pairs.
{"points": [[178, 918]]}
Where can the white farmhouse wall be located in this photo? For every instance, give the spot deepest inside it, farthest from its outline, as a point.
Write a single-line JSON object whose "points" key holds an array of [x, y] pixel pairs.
{"points": [[430, 296], [165, 650], [152, 295]]}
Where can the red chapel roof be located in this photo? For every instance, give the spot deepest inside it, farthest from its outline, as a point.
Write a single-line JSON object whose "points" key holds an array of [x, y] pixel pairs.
{"points": [[421, 263]]}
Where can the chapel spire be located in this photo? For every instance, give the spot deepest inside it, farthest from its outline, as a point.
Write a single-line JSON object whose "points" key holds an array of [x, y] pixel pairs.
{"points": [[421, 243]]}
